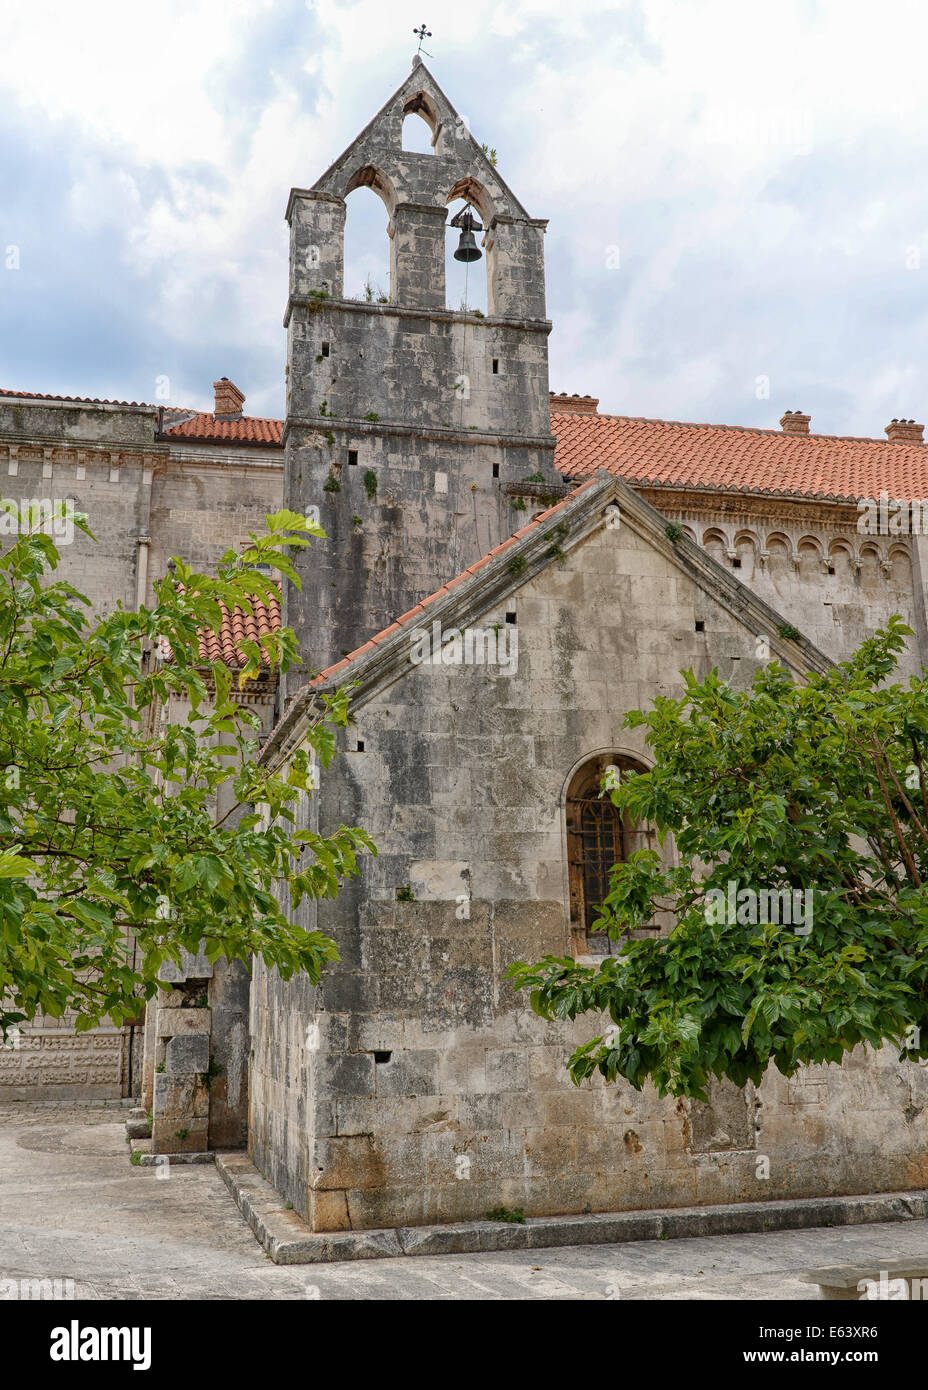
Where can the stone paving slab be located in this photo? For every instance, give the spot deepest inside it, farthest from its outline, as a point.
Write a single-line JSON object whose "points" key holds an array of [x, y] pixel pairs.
{"points": [[75, 1210]]}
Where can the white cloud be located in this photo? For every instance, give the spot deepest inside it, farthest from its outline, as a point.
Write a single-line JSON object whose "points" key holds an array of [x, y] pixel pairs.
{"points": [[757, 167]]}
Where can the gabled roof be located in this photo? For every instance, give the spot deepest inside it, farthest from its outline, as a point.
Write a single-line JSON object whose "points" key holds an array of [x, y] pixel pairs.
{"points": [[733, 458], [491, 579]]}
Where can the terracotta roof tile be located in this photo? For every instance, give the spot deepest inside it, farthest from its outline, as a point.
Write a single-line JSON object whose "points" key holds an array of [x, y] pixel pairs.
{"points": [[736, 459], [76, 400], [731, 458], [248, 429], [237, 626]]}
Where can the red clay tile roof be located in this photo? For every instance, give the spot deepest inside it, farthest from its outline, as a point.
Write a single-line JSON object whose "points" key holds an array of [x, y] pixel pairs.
{"points": [[412, 616], [77, 400], [732, 458], [728, 458], [236, 626], [248, 429]]}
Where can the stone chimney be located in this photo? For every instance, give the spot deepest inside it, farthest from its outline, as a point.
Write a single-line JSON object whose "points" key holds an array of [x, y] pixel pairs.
{"points": [[794, 422], [905, 432], [574, 405], [229, 400]]}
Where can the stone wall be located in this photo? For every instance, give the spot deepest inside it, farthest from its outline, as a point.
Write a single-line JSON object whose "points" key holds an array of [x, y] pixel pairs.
{"points": [[808, 560], [413, 1085]]}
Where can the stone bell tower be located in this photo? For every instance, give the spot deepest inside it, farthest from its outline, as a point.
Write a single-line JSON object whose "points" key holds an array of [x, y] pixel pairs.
{"points": [[407, 421]]}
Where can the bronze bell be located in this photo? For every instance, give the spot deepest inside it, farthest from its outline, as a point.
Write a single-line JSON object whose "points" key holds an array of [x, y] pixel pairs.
{"points": [[468, 250]]}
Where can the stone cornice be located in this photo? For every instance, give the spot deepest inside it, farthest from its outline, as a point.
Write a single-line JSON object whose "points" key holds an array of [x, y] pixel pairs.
{"points": [[159, 455], [312, 194], [712, 501], [322, 424], [404, 311]]}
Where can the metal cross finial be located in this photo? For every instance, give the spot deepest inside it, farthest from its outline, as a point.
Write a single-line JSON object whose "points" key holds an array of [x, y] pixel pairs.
{"points": [[422, 34]]}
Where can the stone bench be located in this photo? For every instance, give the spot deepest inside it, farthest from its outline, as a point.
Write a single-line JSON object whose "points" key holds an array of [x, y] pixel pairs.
{"points": [[888, 1280]]}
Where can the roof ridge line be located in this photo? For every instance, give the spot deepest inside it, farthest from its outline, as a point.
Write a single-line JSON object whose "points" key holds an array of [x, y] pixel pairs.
{"points": [[736, 429]]}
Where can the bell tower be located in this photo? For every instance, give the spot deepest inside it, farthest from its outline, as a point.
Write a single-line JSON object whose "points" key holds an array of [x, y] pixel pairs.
{"points": [[407, 420]]}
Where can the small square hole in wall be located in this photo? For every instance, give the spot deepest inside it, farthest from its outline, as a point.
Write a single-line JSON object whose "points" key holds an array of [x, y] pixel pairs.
{"points": [[496, 366], [352, 456], [736, 564], [360, 745], [510, 618], [325, 349], [831, 569], [700, 625], [382, 1057], [496, 470]]}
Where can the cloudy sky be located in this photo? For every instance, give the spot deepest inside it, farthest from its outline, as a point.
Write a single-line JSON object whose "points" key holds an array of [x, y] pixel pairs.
{"points": [[736, 190]]}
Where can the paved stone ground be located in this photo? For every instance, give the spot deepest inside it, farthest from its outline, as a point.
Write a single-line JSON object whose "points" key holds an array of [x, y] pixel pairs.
{"points": [[72, 1207]]}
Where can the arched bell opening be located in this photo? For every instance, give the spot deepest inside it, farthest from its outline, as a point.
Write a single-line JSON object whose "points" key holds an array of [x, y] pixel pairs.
{"points": [[368, 198], [465, 261], [417, 134], [423, 140]]}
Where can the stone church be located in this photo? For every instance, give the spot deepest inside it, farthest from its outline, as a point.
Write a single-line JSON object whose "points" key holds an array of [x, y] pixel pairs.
{"points": [[507, 572]]}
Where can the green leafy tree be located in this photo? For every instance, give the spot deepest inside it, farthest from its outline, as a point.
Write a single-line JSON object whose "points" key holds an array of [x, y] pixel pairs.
{"points": [[108, 827], [812, 792]]}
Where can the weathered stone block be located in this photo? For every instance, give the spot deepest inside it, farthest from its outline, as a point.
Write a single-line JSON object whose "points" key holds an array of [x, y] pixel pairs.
{"points": [[187, 1053], [179, 1095], [171, 1022], [192, 967], [341, 1074]]}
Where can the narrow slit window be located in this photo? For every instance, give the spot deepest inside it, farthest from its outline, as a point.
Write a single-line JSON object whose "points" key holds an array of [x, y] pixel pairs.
{"points": [[352, 456], [496, 366], [325, 349]]}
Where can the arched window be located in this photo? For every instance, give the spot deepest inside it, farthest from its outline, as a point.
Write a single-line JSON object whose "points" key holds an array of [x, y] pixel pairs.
{"points": [[367, 247], [465, 283], [598, 837], [417, 135]]}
